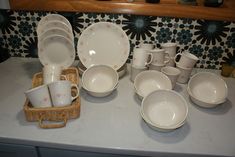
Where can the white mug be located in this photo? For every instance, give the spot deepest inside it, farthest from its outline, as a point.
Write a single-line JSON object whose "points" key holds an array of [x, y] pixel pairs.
{"points": [[172, 72], [170, 48], [187, 60], [185, 74], [141, 57], [61, 92], [171, 62], [160, 57], [147, 46], [156, 67], [135, 71], [52, 73], [39, 96]]}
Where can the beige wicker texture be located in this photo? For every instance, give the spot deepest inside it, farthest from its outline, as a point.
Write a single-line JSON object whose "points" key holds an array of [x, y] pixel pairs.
{"points": [[60, 115]]}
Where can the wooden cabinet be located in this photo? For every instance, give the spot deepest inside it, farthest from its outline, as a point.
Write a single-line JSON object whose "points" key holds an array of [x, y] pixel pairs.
{"points": [[139, 7], [13, 150]]}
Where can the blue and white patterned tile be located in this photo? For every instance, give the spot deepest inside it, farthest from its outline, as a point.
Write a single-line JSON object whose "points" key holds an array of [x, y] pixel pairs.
{"points": [[212, 41]]}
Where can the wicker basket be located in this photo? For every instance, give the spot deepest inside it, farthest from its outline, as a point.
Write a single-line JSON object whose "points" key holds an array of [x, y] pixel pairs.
{"points": [[60, 115]]}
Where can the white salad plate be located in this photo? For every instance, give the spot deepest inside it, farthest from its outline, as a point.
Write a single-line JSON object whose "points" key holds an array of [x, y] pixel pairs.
{"points": [[56, 50], [52, 25], [103, 43], [55, 31], [53, 17]]}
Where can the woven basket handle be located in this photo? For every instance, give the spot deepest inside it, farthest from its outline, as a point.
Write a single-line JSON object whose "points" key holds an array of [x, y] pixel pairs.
{"points": [[58, 124]]}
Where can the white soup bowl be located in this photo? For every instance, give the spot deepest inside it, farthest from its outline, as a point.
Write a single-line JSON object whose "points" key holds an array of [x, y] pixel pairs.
{"points": [[149, 81], [164, 110], [100, 80], [207, 89]]}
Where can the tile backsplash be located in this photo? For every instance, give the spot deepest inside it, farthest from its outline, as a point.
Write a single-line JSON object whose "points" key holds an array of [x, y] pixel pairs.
{"points": [[212, 41]]}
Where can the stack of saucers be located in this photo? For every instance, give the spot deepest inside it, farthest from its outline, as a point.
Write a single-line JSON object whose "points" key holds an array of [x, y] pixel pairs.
{"points": [[55, 41]]}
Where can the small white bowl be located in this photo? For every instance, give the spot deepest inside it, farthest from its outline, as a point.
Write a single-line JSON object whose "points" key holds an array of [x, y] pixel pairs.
{"points": [[100, 80], [164, 110], [121, 71], [207, 89], [149, 81]]}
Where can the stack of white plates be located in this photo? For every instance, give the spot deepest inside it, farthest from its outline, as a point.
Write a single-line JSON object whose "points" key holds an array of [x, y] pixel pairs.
{"points": [[55, 41]]}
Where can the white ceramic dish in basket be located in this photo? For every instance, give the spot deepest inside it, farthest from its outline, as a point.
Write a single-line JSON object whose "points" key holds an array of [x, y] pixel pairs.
{"points": [[103, 43], [149, 81], [207, 89], [100, 80], [164, 110]]}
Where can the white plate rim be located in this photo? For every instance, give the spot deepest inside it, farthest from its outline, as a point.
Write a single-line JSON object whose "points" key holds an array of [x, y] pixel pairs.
{"points": [[87, 31], [52, 17], [40, 37], [66, 64], [43, 28]]}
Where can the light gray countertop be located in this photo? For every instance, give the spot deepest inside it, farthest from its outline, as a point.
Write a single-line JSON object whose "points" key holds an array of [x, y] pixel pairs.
{"points": [[113, 124]]}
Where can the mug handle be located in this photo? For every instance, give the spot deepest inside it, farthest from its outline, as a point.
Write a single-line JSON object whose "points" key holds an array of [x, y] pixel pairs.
{"points": [[63, 77], [168, 58], [178, 54], [74, 85], [151, 58]]}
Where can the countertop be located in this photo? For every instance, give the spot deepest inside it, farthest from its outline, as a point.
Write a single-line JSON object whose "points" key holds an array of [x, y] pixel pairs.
{"points": [[113, 124]]}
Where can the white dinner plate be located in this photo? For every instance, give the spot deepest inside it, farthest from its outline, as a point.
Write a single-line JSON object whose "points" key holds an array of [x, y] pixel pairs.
{"points": [[52, 17], [51, 25], [103, 43], [55, 31], [56, 50]]}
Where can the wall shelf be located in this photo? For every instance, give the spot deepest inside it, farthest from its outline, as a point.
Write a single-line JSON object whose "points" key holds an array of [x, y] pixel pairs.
{"points": [[165, 8]]}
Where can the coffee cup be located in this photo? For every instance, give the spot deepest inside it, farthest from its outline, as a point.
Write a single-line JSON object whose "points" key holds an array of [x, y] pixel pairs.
{"points": [[170, 48], [185, 74], [159, 56], [172, 72], [147, 46], [187, 60], [141, 57], [52, 73], [39, 96], [61, 92]]}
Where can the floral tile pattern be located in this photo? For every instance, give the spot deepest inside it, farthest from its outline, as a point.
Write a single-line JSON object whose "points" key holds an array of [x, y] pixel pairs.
{"points": [[212, 41]]}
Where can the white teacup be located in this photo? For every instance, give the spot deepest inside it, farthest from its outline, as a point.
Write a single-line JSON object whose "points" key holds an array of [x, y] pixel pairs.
{"points": [[159, 56], [171, 62], [135, 71], [52, 73], [172, 72], [141, 57], [185, 74], [61, 92], [156, 67], [39, 96], [170, 48], [187, 60], [147, 46]]}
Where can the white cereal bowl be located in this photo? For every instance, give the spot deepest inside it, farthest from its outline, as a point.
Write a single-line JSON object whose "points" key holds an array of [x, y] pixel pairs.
{"points": [[207, 89], [164, 110], [100, 80], [149, 81]]}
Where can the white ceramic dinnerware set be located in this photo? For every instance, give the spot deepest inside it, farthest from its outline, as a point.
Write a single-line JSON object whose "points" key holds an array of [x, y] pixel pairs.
{"points": [[56, 52], [162, 108], [103, 49]]}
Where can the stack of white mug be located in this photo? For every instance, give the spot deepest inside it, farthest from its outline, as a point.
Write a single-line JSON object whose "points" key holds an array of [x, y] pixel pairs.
{"points": [[54, 92], [141, 59]]}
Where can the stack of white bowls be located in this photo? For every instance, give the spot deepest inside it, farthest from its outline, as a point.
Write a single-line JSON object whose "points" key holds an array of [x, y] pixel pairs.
{"points": [[55, 41]]}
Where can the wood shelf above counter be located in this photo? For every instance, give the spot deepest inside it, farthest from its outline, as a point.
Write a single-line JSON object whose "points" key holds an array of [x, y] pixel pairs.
{"points": [[168, 8]]}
